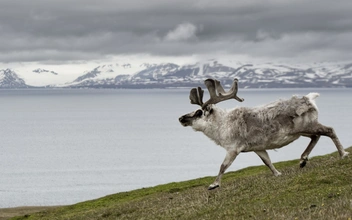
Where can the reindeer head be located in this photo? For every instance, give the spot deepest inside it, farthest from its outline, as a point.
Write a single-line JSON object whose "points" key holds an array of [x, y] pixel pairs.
{"points": [[206, 113]]}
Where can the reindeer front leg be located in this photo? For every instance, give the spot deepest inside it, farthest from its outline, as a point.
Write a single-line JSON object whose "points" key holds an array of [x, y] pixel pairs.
{"points": [[230, 157], [266, 159]]}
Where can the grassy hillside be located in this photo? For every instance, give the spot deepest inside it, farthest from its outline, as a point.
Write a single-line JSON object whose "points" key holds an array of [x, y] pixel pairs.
{"points": [[321, 190]]}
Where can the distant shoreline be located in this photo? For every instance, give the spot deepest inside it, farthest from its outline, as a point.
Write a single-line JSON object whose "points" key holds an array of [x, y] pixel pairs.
{"points": [[6, 213]]}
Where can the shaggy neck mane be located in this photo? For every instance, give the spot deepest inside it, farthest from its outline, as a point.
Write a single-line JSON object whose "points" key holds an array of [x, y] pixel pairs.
{"points": [[217, 125]]}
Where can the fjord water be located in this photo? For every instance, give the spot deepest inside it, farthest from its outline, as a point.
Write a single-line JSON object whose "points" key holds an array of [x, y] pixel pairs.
{"points": [[65, 146]]}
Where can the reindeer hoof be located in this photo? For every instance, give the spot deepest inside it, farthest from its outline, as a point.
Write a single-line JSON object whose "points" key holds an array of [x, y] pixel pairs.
{"points": [[344, 155], [213, 186], [277, 173], [302, 163]]}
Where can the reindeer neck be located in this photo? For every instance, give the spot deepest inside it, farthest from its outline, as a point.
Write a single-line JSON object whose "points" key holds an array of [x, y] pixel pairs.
{"points": [[216, 125]]}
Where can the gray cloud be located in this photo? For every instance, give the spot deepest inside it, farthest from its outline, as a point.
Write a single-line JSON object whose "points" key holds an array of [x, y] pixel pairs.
{"points": [[41, 30]]}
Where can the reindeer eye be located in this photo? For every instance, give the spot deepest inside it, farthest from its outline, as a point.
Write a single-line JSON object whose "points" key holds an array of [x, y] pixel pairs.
{"points": [[198, 113]]}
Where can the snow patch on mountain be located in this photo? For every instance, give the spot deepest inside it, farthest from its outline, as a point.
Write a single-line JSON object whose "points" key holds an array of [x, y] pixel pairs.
{"points": [[105, 74], [40, 77], [41, 71]]}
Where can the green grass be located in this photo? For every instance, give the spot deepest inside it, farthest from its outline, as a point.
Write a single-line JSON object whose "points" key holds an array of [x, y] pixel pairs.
{"points": [[321, 190]]}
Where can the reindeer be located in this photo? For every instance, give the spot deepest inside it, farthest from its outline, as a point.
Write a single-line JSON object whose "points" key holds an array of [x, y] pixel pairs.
{"points": [[257, 129]]}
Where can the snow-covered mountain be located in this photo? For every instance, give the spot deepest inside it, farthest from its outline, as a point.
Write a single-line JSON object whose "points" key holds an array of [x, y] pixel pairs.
{"points": [[9, 79], [105, 75], [39, 77], [164, 75]]}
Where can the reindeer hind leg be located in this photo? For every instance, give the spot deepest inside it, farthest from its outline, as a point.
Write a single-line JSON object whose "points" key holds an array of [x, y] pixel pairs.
{"points": [[320, 129], [330, 132], [305, 154]]}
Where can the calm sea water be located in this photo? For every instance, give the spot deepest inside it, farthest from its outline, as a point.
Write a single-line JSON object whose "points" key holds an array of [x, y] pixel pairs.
{"points": [[65, 146]]}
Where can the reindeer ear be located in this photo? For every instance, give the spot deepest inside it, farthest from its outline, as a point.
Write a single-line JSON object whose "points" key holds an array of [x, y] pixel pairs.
{"points": [[208, 110]]}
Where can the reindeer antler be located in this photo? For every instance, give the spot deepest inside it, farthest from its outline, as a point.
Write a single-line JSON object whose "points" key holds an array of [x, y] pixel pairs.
{"points": [[196, 96], [216, 91]]}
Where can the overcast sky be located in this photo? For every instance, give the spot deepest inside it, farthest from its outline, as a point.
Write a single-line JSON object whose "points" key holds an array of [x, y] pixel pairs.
{"points": [[62, 31]]}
